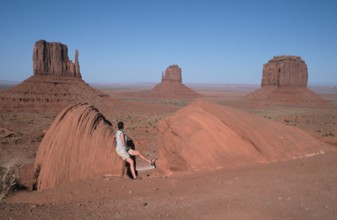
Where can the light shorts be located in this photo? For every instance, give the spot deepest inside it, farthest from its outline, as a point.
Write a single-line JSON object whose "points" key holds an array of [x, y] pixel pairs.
{"points": [[123, 153]]}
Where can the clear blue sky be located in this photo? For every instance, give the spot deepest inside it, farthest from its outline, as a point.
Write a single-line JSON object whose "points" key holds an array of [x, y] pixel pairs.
{"points": [[213, 41]]}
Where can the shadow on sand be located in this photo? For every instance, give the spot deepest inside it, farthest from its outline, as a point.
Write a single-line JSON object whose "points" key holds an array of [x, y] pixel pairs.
{"points": [[131, 145]]}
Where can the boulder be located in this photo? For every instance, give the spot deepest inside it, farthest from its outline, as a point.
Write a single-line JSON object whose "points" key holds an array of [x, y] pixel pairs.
{"points": [[78, 145], [205, 136]]}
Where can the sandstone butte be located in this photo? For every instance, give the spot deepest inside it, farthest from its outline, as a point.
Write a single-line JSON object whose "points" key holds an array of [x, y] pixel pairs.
{"points": [[204, 136], [51, 58], [285, 79], [78, 145], [56, 83], [171, 86]]}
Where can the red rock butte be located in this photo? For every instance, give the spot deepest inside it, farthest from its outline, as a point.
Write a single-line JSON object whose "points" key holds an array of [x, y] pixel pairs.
{"points": [[56, 83], [205, 136], [285, 71], [78, 145], [51, 58], [285, 79], [171, 85], [172, 73]]}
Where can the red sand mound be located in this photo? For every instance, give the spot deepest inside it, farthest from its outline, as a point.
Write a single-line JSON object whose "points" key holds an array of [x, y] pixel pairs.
{"points": [[285, 95], [173, 89], [49, 93], [207, 136], [78, 145]]}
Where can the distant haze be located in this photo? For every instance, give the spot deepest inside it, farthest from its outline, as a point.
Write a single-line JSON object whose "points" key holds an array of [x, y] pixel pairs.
{"points": [[216, 41]]}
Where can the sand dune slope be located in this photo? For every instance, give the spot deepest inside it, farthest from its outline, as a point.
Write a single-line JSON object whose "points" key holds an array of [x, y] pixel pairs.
{"points": [[285, 95], [78, 145], [206, 136], [50, 93]]}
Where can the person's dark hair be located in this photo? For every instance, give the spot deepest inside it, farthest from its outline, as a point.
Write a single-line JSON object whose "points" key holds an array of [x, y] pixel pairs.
{"points": [[120, 125]]}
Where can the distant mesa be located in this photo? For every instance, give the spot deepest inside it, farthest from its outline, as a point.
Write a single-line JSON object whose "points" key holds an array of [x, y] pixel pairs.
{"points": [[171, 85], [56, 83], [206, 136], [285, 79], [77, 146]]}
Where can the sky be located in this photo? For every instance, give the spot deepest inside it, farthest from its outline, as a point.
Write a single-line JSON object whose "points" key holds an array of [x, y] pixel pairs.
{"points": [[134, 41]]}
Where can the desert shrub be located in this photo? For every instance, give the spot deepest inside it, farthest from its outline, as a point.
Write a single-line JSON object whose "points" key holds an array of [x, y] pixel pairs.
{"points": [[327, 134], [9, 175]]}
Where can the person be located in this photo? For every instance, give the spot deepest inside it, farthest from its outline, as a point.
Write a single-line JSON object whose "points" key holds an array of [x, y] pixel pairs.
{"points": [[124, 151]]}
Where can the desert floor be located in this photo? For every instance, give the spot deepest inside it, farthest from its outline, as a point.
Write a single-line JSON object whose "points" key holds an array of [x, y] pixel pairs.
{"points": [[297, 189]]}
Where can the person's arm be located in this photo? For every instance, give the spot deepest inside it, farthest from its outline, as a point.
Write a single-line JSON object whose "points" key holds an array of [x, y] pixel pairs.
{"points": [[122, 138]]}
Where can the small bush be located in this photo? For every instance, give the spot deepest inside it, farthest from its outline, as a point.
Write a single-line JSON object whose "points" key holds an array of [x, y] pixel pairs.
{"points": [[9, 175]]}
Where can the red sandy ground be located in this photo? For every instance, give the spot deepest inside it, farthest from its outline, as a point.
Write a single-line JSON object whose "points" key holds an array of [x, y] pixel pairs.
{"points": [[296, 189]]}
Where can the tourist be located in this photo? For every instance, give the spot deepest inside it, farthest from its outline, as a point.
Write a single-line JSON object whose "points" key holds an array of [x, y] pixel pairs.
{"points": [[125, 151]]}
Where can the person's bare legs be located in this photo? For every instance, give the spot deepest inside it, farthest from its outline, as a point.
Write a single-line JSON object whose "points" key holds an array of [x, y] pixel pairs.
{"points": [[132, 168], [138, 153]]}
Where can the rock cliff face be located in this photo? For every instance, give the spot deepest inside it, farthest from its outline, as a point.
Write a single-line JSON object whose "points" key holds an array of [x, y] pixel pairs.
{"points": [[206, 136], [78, 145], [285, 71], [172, 73], [51, 58]]}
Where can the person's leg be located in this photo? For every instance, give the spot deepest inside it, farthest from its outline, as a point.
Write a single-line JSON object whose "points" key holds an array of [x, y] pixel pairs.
{"points": [[138, 153], [132, 168]]}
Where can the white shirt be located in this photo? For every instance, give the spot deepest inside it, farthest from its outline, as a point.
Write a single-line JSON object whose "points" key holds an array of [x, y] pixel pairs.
{"points": [[119, 143]]}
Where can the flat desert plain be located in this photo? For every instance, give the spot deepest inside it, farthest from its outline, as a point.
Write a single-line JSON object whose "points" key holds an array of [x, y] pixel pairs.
{"points": [[304, 188]]}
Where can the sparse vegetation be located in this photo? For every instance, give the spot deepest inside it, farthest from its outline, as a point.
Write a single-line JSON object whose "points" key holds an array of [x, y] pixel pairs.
{"points": [[287, 121], [9, 175], [328, 134]]}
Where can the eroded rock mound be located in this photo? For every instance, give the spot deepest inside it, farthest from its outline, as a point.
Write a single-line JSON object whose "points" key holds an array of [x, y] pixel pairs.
{"points": [[56, 83], [78, 145], [285, 79], [206, 136]]}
